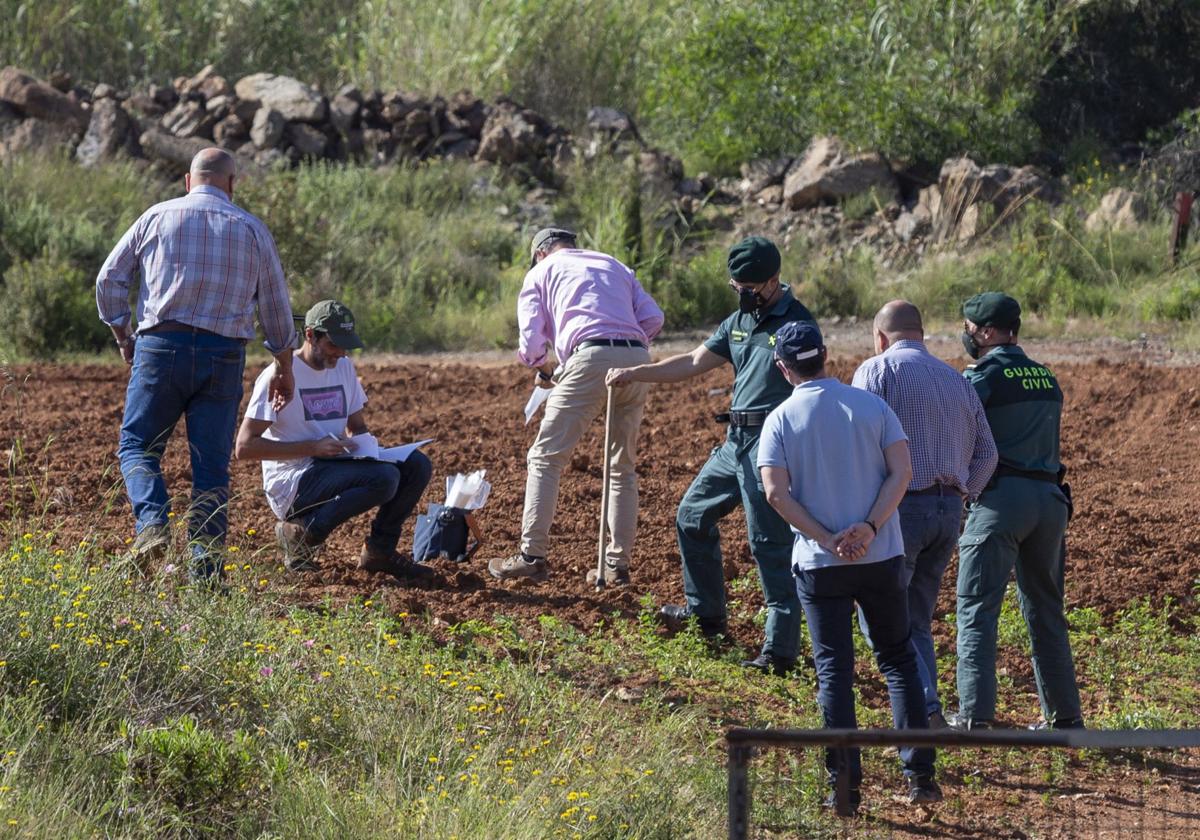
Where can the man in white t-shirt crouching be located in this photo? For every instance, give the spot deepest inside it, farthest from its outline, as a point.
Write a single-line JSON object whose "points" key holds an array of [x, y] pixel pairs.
{"points": [[313, 483]]}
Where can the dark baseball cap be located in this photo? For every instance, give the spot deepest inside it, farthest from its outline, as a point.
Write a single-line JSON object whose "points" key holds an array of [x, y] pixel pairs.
{"points": [[798, 340], [335, 320], [754, 260], [992, 309], [546, 237]]}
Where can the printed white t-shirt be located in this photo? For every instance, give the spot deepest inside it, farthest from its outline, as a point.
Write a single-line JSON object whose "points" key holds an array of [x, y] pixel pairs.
{"points": [[323, 400]]}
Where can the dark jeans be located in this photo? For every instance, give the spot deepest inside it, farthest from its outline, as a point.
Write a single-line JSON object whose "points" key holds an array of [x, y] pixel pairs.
{"points": [[334, 490], [176, 375], [930, 526], [730, 479], [828, 596]]}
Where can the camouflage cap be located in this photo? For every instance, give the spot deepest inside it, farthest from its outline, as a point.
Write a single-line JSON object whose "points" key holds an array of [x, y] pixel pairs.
{"points": [[335, 320]]}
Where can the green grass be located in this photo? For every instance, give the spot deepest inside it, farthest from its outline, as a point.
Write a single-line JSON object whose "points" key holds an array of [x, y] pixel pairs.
{"points": [[143, 707]]}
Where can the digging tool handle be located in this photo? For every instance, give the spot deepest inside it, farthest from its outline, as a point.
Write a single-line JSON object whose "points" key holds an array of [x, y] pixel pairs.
{"points": [[600, 550]]}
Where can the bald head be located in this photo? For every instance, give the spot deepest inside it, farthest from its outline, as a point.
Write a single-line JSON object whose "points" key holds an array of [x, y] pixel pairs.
{"points": [[901, 319], [898, 320], [214, 167]]}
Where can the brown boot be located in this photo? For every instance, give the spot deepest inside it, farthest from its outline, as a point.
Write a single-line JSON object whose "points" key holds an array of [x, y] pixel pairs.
{"points": [[299, 553], [612, 576], [392, 563]]}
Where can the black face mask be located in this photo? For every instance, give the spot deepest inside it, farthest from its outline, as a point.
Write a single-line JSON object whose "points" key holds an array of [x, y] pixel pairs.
{"points": [[971, 345], [750, 301]]}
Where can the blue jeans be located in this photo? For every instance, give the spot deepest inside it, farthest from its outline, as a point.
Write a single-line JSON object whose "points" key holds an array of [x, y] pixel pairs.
{"points": [[176, 375], [930, 526], [334, 490], [828, 596], [730, 479]]}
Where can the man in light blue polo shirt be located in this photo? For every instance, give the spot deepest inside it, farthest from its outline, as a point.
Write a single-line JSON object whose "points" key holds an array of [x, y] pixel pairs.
{"points": [[835, 464]]}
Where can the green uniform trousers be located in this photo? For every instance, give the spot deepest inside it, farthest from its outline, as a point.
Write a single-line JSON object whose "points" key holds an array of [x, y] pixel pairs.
{"points": [[1017, 522], [730, 478]]}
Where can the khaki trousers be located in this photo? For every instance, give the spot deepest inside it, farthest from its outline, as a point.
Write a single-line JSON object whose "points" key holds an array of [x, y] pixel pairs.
{"points": [[577, 399]]}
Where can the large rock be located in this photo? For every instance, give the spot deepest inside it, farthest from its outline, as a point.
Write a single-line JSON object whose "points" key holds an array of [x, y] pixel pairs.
{"points": [[512, 134], [343, 112], [294, 100], [1120, 209], [308, 140], [612, 125], [175, 152], [828, 171], [189, 119], [34, 98], [36, 135], [467, 113], [267, 129], [970, 195], [107, 133], [758, 175]]}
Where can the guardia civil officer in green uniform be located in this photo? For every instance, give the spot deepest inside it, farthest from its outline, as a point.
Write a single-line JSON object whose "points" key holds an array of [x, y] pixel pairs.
{"points": [[1019, 521], [730, 477]]}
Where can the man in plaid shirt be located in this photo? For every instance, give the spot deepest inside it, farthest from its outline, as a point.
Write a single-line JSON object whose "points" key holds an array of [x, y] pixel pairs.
{"points": [[203, 264], [953, 457]]}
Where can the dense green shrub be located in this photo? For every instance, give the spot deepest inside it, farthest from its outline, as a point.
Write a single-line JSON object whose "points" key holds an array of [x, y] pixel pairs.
{"points": [[919, 79]]}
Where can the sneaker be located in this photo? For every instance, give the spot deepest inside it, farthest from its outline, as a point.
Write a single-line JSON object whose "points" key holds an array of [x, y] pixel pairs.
{"points": [[150, 546], [965, 724], [938, 721], [612, 576], [519, 565], [769, 663], [923, 791], [1066, 723], [855, 801], [675, 619], [299, 555], [392, 563]]}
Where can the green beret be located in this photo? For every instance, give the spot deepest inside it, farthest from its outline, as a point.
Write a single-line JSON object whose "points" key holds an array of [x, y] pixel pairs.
{"points": [[754, 260], [992, 309]]}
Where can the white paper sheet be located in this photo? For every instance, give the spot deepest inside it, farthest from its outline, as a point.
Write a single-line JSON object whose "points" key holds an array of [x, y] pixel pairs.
{"points": [[536, 399], [399, 454], [364, 445]]}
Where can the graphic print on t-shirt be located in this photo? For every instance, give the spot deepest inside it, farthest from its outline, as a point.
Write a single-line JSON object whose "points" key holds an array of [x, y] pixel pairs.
{"points": [[323, 403]]}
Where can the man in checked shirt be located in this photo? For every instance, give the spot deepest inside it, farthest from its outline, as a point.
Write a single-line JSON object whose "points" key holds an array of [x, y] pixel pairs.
{"points": [[953, 456], [203, 264]]}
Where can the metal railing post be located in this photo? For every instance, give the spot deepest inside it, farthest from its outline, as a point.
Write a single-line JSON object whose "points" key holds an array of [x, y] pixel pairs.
{"points": [[739, 791]]}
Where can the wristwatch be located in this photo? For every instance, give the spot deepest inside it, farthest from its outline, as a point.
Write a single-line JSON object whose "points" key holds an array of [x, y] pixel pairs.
{"points": [[545, 377]]}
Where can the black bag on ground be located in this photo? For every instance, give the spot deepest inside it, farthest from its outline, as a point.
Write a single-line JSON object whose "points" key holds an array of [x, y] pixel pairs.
{"points": [[442, 532]]}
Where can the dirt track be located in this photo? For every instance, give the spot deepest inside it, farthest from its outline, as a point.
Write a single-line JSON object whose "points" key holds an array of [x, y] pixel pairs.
{"points": [[1129, 439]]}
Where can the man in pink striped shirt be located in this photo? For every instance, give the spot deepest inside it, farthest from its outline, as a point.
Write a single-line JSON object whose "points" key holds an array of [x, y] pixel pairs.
{"points": [[591, 309], [202, 265]]}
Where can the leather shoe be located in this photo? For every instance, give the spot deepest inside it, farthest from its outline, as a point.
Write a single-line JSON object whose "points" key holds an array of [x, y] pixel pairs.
{"points": [[675, 619], [923, 791], [769, 663]]}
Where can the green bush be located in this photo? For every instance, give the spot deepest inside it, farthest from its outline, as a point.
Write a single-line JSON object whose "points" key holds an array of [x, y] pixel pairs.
{"points": [[920, 80]]}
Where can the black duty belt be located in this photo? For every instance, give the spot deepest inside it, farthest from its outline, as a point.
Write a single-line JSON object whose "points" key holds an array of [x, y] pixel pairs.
{"points": [[1036, 475], [936, 490], [742, 418], [610, 342]]}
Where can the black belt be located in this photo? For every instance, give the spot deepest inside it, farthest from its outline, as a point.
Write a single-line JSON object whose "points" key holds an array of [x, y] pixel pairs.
{"points": [[610, 342], [936, 490], [742, 418], [1036, 475]]}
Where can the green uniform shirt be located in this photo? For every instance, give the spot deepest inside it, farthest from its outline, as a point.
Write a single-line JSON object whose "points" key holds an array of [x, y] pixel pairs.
{"points": [[749, 344], [1023, 404]]}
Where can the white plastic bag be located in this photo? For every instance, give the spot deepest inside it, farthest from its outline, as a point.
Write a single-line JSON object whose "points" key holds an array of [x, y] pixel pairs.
{"points": [[467, 492]]}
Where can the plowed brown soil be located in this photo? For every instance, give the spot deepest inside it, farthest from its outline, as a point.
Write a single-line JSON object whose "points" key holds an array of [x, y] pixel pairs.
{"points": [[1129, 436]]}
